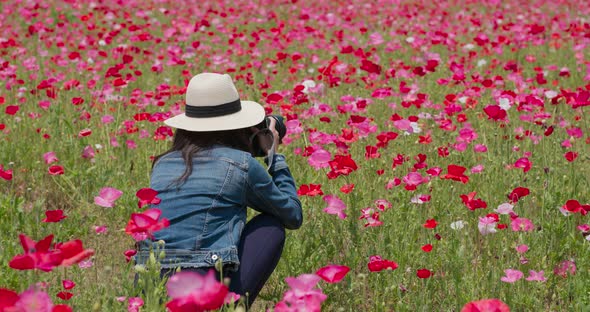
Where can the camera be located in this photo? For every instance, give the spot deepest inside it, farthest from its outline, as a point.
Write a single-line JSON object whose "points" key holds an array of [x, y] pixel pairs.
{"points": [[259, 151]]}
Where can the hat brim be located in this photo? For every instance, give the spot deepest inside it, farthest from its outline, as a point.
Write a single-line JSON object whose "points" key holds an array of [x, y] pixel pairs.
{"points": [[251, 114]]}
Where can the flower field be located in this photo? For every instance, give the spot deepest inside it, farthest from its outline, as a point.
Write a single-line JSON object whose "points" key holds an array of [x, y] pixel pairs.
{"points": [[441, 150]]}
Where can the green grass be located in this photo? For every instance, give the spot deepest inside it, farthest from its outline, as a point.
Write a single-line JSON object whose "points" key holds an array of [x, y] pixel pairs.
{"points": [[466, 266]]}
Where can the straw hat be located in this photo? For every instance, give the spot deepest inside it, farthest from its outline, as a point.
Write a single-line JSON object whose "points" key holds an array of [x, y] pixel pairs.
{"points": [[213, 104]]}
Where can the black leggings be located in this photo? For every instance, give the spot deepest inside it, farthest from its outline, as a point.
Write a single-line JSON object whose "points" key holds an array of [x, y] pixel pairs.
{"points": [[259, 252]]}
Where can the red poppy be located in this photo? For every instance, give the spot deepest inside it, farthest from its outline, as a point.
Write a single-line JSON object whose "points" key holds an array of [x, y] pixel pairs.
{"points": [[471, 202], [12, 109], [142, 225], [310, 190], [5, 174], [574, 206], [486, 305], [84, 133], [56, 170], [54, 216], [8, 298], [376, 264], [427, 248], [495, 112], [130, 253], [456, 173], [518, 193], [423, 273], [38, 255], [570, 156], [341, 165], [371, 152], [61, 308], [147, 196], [274, 98], [347, 188], [65, 295], [73, 252], [430, 224]]}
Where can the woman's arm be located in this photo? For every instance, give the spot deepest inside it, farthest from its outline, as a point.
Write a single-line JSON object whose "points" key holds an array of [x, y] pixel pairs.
{"points": [[275, 194]]}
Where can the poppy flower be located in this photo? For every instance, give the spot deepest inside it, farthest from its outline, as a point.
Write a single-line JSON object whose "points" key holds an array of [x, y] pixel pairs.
{"points": [[8, 298], [56, 170], [50, 157], [310, 190], [518, 193], [68, 284], [12, 109], [335, 206], [495, 112], [5, 174], [511, 276], [333, 273], [486, 305], [129, 253], [423, 273], [147, 196], [134, 304], [73, 252], [456, 173], [565, 268], [142, 225], [523, 163], [377, 264], [570, 156], [65, 295], [192, 291], [536, 276], [107, 197], [38, 255], [341, 165], [473, 203], [53, 216], [303, 293], [487, 225], [347, 188], [430, 224]]}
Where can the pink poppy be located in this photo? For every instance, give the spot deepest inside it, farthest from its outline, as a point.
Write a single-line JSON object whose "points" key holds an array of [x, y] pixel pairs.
{"points": [[333, 273], [486, 305], [335, 206], [50, 157], [134, 304], [511, 276], [192, 291], [536, 276], [522, 225], [107, 197]]}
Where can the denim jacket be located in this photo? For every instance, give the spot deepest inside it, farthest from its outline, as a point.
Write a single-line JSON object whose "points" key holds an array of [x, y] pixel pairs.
{"points": [[208, 212]]}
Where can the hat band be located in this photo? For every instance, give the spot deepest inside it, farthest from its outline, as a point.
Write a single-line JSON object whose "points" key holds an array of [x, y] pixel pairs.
{"points": [[213, 111]]}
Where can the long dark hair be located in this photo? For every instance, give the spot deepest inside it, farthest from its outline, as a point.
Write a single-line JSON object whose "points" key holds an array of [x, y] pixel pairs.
{"points": [[189, 143]]}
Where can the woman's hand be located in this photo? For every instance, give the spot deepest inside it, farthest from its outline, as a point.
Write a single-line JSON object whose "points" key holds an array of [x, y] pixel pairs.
{"points": [[269, 143]]}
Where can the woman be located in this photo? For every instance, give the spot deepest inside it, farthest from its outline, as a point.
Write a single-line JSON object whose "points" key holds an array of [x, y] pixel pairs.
{"points": [[209, 177]]}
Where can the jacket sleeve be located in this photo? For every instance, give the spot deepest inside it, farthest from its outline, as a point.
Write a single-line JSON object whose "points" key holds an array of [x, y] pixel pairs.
{"points": [[275, 194]]}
